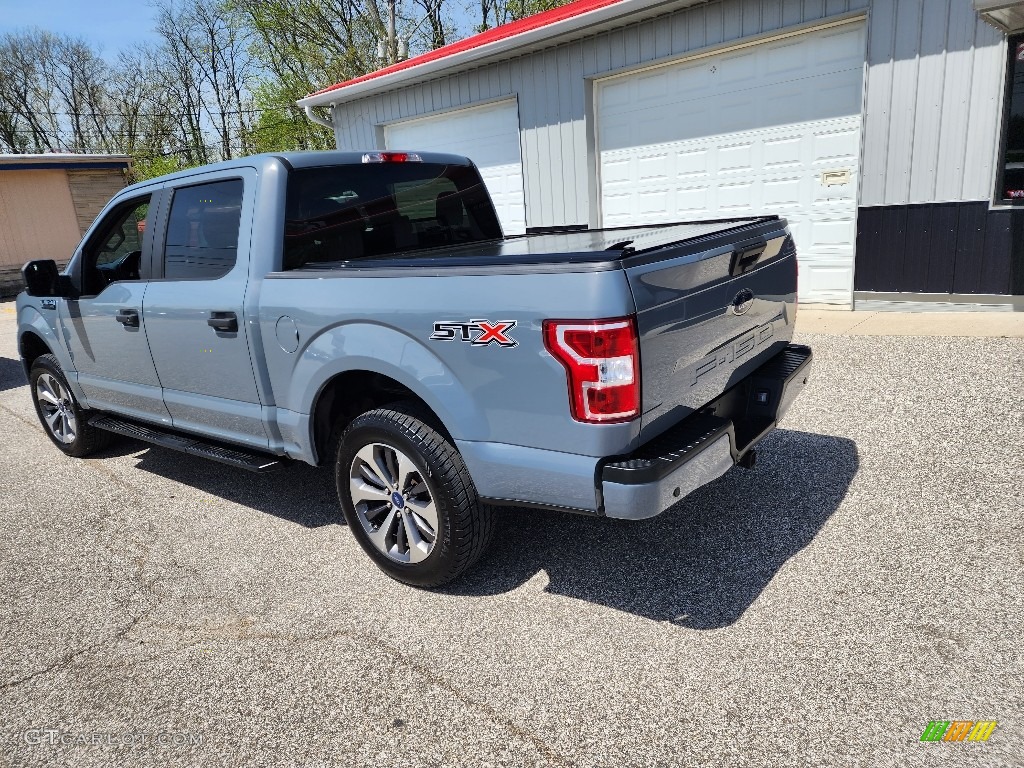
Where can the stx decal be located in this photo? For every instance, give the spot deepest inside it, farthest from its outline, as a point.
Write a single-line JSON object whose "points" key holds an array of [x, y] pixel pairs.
{"points": [[488, 331]]}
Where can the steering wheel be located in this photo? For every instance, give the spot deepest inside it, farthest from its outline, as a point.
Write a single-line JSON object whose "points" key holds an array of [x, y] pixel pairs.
{"points": [[125, 267]]}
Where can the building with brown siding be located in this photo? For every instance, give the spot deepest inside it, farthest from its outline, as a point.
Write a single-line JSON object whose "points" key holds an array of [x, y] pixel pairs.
{"points": [[47, 202]]}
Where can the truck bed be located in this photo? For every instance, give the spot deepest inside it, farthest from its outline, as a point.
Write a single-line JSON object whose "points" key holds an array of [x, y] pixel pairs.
{"points": [[688, 282], [611, 248]]}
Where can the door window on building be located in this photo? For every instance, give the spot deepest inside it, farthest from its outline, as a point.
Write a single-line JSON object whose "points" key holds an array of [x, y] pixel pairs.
{"points": [[1011, 170]]}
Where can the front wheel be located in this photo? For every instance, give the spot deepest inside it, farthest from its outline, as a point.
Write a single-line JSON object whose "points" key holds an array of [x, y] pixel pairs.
{"points": [[408, 497], [62, 417]]}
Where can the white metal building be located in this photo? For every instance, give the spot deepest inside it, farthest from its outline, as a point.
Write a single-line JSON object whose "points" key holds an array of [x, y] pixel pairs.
{"points": [[883, 130]]}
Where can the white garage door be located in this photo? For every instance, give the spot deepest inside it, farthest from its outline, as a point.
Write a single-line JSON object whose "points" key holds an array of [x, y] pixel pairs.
{"points": [[489, 136], [771, 128]]}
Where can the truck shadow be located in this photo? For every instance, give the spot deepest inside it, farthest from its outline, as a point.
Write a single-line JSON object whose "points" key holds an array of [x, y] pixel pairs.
{"points": [[702, 563], [12, 374], [297, 493]]}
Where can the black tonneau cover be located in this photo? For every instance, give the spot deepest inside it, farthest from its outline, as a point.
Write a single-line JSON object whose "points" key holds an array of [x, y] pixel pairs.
{"points": [[618, 245]]}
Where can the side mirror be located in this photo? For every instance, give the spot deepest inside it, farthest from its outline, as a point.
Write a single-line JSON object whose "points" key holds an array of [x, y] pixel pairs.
{"points": [[43, 279]]}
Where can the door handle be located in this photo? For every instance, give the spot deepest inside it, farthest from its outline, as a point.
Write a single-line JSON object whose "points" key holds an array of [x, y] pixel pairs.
{"points": [[225, 322], [129, 318]]}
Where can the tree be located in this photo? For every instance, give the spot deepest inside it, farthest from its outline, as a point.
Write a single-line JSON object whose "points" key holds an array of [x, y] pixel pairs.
{"points": [[209, 74], [306, 45], [494, 13]]}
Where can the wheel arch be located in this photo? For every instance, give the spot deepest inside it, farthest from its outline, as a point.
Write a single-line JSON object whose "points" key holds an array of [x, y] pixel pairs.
{"points": [[31, 347], [351, 393], [354, 367]]}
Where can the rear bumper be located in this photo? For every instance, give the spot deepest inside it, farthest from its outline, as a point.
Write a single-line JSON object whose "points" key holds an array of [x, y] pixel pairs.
{"points": [[705, 445]]}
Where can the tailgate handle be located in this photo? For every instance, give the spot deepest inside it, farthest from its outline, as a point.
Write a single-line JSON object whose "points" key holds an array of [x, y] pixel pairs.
{"points": [[746, 256]]}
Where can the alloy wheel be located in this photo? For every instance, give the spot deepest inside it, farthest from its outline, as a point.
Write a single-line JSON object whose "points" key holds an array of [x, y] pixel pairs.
{"points": [[57, 408], [393, 502]]}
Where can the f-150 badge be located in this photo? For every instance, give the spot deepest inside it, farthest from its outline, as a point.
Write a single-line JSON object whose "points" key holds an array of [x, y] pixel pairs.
{"points": [[479, 333]]}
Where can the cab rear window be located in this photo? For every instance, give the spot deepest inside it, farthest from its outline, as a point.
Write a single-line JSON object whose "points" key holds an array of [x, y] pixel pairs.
{"points": [[347, 212]]}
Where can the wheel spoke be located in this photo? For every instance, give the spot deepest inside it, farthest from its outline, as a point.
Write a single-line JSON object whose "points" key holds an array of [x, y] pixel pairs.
{"points": [[46, 396], [388, 456], [51, 420], [425, 513], [48, 384], [401, 535], [370, 467], [406, 472], [365, 492], [69, 428], [418, 548], [380, 536]]}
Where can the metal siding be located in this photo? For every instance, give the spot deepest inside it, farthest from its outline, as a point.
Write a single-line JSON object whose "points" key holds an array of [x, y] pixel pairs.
{"points": [[928, 107], [579, 206], [985, 107], [953, 122], [931, 114], [552, 91]]}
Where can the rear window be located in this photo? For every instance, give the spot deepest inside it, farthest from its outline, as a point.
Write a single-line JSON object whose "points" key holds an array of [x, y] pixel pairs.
{"points": [[346, 212]]}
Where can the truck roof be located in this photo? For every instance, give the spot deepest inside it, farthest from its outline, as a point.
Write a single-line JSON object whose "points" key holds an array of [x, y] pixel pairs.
{"points": [[311, 159]]}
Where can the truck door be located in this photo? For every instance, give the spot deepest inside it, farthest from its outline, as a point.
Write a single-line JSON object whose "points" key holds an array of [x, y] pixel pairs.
{"points": [[194, 309], [104, 328]]}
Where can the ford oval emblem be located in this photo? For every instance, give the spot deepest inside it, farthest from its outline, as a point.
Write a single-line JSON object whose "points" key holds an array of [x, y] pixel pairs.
{"points": [[742, 301]]}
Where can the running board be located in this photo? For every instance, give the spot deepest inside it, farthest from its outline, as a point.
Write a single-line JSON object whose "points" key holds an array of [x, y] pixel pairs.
{"points": [[242, 458]]}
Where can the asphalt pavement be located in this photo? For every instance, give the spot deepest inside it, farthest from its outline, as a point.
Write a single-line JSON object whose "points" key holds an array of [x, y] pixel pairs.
{"points": [[863, 579]]}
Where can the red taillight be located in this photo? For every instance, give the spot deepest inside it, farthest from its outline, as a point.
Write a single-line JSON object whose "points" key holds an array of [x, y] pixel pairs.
{"points": [[602, 360], [392, 157]]}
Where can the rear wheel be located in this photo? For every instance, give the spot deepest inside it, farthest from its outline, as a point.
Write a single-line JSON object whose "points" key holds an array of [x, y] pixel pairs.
{"points": [[62, 417], [408, 497]]}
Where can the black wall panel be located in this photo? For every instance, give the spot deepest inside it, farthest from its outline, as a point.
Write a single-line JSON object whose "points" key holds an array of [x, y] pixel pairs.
{"points": [[940, 248]]}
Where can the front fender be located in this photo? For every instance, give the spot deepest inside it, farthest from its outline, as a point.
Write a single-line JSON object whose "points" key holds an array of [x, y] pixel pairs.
{"points": [[32, 320], [384, 350]]}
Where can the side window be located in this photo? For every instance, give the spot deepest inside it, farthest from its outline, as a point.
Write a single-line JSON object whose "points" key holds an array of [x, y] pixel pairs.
{"points": [[202, 231], [114, 254]]}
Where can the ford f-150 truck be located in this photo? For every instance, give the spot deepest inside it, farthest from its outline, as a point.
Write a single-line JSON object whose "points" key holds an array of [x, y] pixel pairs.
{"points": [[363, 311]]}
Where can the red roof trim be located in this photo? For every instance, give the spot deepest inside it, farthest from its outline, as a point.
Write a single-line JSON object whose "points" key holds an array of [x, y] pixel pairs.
{"points": [[505, 31]]}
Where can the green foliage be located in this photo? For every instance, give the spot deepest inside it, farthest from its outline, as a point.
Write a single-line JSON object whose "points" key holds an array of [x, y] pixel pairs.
{"points": [[149, 167], [282, 126]]}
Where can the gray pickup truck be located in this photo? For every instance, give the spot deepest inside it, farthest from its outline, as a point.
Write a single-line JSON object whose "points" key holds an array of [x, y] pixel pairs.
{"points": [[363, 311]]}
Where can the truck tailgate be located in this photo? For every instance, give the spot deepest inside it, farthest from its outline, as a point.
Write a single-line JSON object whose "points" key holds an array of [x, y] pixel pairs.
{"points": [[710, 309]]}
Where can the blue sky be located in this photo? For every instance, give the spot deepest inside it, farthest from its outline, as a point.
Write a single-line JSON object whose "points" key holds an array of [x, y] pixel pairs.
{"points": [[111, 24], [116, 24]]}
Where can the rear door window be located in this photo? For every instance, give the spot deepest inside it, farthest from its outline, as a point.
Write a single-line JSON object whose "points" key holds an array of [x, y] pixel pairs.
{"points": [[347, 212], [202, 230]]}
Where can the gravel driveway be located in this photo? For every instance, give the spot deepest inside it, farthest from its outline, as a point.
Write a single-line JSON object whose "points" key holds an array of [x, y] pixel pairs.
{"points": [[863, 579]]}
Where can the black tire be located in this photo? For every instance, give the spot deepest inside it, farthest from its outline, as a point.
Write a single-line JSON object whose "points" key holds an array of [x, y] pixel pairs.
{"points": [[47, 381], [463, 525]]}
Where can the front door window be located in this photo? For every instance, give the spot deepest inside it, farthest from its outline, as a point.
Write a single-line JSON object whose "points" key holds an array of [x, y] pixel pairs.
{"points": [[115, 254]]}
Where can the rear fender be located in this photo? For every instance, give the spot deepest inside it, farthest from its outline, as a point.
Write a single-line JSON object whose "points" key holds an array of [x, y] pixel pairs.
{"points": [[383, 350]]}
